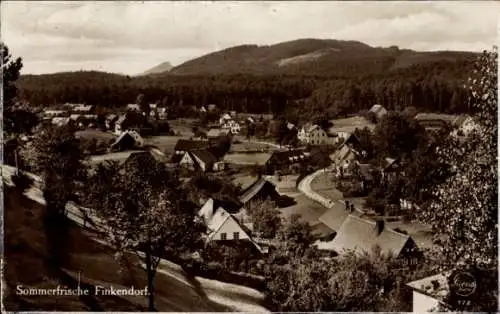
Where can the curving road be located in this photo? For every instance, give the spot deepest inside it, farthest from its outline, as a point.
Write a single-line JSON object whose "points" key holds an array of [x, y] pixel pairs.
{"points": [[305, 187]]}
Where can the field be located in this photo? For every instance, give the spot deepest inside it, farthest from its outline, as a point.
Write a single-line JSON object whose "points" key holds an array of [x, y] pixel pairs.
{"points": [[247, 159], [97, 134], [165, 143]]}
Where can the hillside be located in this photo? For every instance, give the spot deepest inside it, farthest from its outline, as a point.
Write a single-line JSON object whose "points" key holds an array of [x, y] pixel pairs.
{"points": [[27, 264], [160, 68], [311, 56]]}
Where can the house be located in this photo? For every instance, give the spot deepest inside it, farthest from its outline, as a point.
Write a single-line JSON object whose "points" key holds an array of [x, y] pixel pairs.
{"points": [[343, 128], [128, 121], [127, 140], [211, 107], [361, 236], [74, 117], [133, 107], [60, 121], [303, 133], [85, 109], [285, 160], [225, 118], [203, 109], [223, 226], [319, 136], [428, 293], [379, 111], [231, 126], [120, 125], [344, 156], [203, 160], [110, 121], [390, 168], [260, 189], [53, 113], [162, 113]]}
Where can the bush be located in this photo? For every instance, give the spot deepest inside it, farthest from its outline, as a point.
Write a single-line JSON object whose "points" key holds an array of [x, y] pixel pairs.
{"points": [[22, 181]]}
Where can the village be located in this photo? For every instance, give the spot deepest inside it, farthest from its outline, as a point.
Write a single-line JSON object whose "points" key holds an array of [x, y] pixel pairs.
{"points": [[298, 179], [249, 157]]}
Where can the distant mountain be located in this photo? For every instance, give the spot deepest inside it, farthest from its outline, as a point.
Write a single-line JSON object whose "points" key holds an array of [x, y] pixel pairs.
{"points": [[311, 56], [160, 68]]}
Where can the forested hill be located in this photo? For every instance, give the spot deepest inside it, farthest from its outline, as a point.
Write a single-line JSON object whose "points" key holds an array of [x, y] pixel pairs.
{"points": [[430, 81], [312, 57]]}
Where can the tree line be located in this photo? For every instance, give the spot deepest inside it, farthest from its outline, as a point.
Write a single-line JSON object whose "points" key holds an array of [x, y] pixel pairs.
{"points": [[434, 86]]}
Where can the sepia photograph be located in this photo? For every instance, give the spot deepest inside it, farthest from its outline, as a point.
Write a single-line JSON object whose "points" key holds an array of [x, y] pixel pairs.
{"points": [[249, 156]]}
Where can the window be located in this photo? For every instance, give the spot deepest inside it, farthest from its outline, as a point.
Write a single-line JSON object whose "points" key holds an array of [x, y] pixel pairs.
{"points": [[236, 235], [223, 236]]}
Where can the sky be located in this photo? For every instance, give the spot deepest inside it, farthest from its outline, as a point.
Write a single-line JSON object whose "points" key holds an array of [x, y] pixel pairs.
{"points": [[131, 37]]}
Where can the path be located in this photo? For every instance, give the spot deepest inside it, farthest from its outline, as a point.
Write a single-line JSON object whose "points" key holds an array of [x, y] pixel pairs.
{"points": [[305, 187], [238, 298]]}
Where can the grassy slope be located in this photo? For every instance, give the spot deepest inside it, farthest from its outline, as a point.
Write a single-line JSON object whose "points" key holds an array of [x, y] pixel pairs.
{"points": [[26, 264]]}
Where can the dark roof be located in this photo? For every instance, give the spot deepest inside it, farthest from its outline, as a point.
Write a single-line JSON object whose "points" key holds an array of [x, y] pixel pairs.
{"points": [[335, 216], [190, 145], [204, 155], [361, 235], [255, 188]]}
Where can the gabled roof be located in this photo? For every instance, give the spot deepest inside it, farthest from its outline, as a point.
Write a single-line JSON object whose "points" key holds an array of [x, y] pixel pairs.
{"points": [[226, 116], [362, 235], [378, 110], [435, 286], [132, 134], [215, 216], [121, 119], [335, 216], [190, 145], [254, 189], [204, 155], [343, 153]]}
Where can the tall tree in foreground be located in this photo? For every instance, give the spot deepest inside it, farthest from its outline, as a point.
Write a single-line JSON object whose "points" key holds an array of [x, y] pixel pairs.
{"points": [[464, 208], [18, 120], [58, 159], [144, 211]]}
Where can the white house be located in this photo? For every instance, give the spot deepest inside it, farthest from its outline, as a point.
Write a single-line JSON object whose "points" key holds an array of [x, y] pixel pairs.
{"points": [[221, 225], [379, 111], [429, 292], [225, 118], [53, 113], [60, 121], [133, 107], [231, 126], [318, 136], [203, 160]]}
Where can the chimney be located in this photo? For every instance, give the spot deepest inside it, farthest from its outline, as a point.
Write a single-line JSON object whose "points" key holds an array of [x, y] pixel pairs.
{"points": [[347, 205], [352, 208], [380, 226]]}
